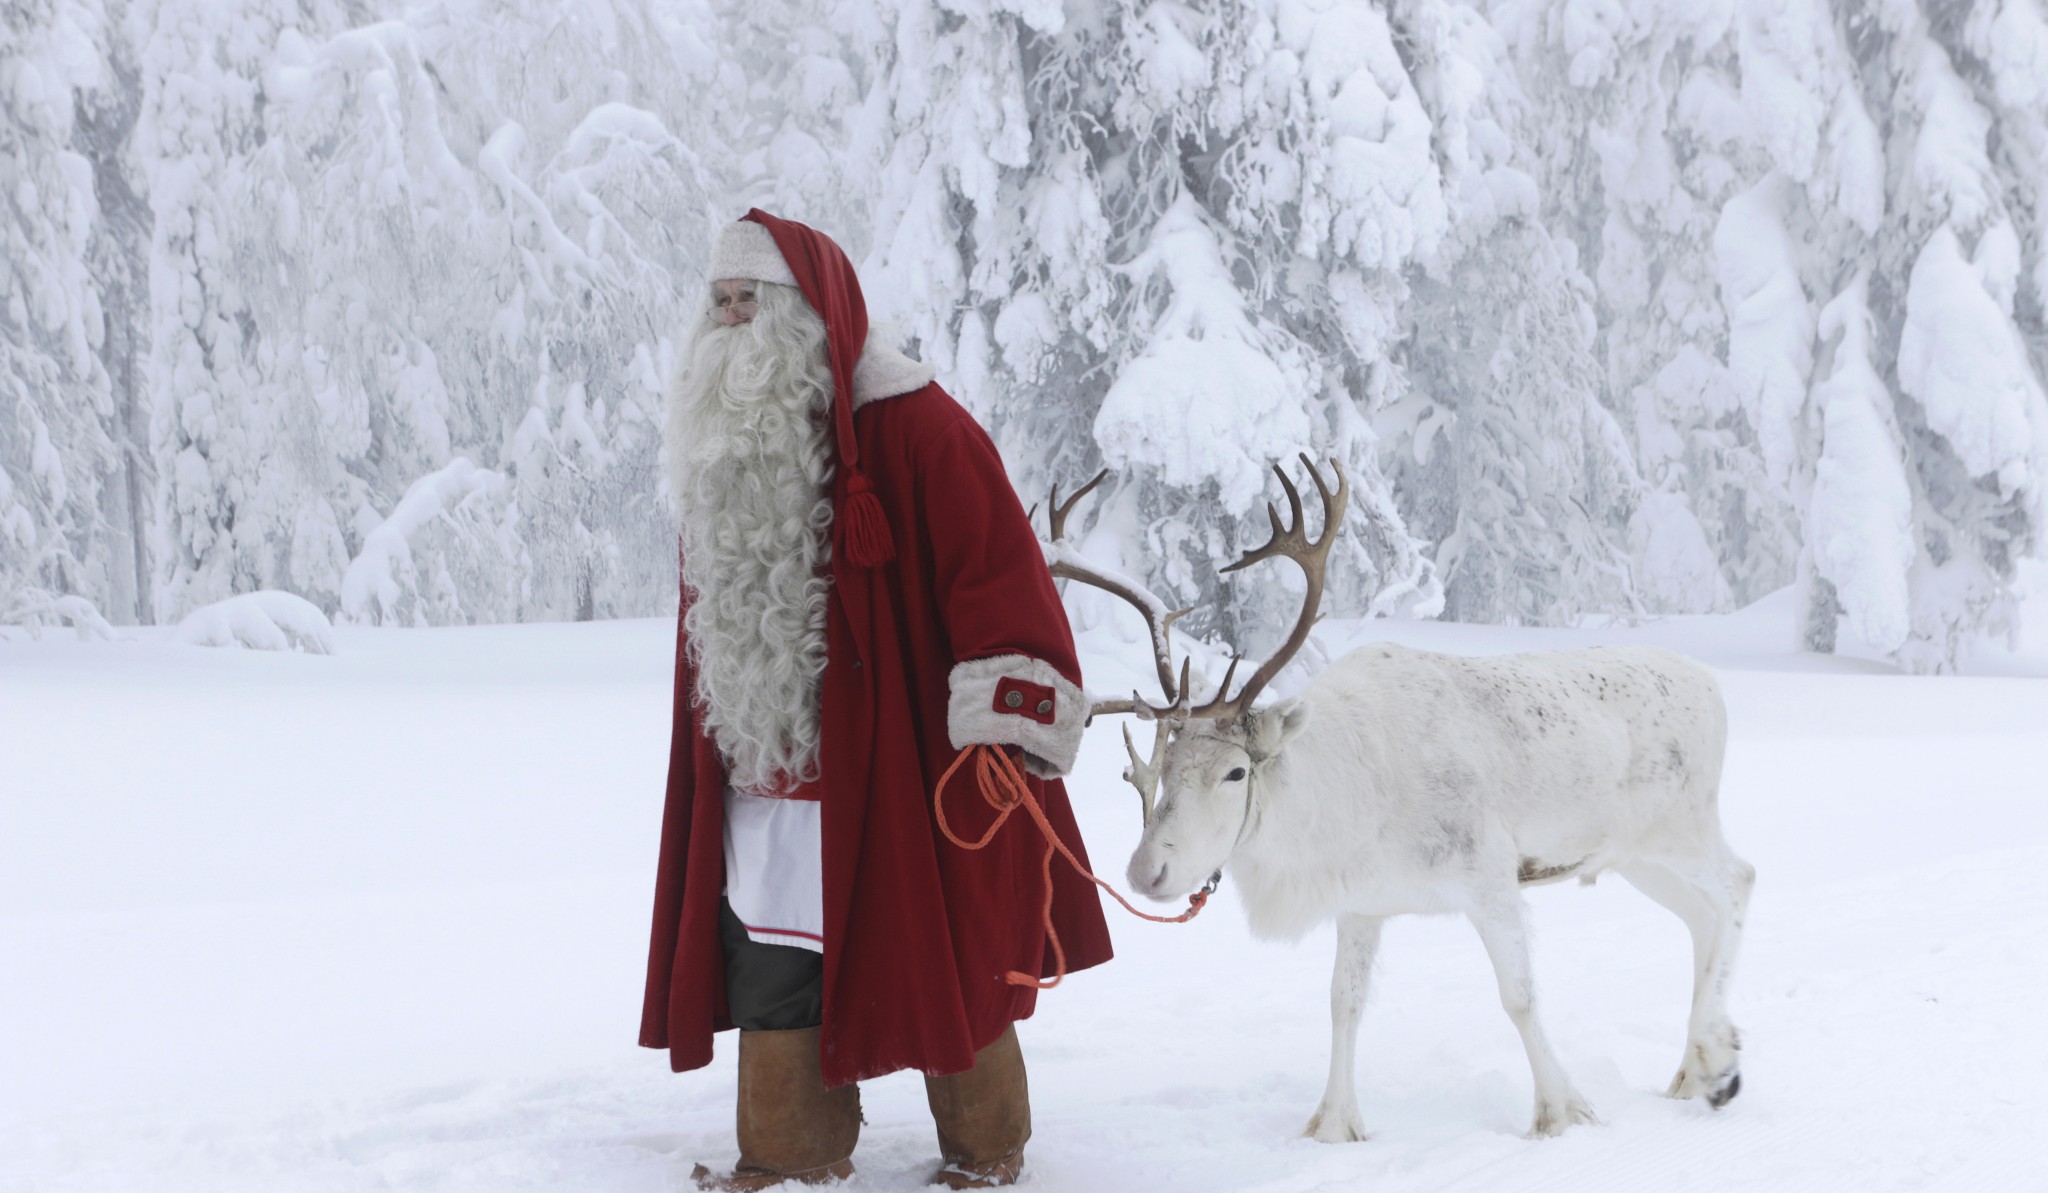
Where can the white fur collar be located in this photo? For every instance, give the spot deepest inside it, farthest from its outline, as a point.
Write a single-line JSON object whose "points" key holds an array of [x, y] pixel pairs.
{"points": [[883, 372]]}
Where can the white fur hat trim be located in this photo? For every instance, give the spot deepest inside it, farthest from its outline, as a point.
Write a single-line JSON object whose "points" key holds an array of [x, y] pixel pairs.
{"points": [[746, 250]]}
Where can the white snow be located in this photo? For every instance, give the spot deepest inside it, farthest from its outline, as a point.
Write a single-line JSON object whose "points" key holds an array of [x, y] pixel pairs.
{"points": [[34, 608], [1950, 162], [266, 620], [1206, 399], [1959, 356], [1675, 561], [383, 586], [1860, 518], [1770, 325], [284, 923]]}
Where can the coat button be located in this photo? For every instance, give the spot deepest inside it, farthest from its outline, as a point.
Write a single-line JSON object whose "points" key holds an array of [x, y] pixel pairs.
{"points": [[1013, 700], [1044, 707]]}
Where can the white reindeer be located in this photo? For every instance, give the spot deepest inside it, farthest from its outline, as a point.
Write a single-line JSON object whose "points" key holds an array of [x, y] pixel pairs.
{"points": [[1401, 781]]}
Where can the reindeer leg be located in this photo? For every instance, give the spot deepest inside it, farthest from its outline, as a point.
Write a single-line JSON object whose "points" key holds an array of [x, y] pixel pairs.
{"points": [[1503, 925], [1712, 899], [1337, 1119]]}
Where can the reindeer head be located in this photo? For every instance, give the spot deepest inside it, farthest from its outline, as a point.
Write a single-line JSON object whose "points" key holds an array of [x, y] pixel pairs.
{"points": [[1199, 786], [1209, 778]]}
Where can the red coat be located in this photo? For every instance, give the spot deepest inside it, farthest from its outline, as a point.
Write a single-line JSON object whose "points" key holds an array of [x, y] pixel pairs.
{"points": [[922, 651]]}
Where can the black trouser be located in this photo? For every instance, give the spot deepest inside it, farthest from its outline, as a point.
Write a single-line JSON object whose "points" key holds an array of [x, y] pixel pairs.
{"points": [[769, 987]]}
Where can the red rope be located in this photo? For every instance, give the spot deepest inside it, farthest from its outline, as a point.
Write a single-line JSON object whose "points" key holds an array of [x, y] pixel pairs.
{"points": [[1004, 788]]}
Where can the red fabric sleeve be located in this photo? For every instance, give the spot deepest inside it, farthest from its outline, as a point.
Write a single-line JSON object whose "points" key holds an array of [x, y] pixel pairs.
{"points": [[1003, 619]]}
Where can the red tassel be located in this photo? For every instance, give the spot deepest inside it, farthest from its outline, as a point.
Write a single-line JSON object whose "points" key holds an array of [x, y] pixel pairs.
{"points": [[863, 528]]}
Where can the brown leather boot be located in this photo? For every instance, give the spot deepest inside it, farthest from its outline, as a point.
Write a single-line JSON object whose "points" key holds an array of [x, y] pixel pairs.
{"points": [[984, 1117], [791, 1127]]}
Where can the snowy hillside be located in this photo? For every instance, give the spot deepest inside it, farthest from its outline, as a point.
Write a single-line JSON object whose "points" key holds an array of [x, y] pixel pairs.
{"points": [[1608, 309], [293, 922]]}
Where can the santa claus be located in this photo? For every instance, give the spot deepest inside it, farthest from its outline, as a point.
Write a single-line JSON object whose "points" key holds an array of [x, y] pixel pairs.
{"points": [[863, 597]]}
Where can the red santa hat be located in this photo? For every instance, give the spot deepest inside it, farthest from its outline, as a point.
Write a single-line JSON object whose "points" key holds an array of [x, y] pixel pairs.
{"points": [[771, 249]]}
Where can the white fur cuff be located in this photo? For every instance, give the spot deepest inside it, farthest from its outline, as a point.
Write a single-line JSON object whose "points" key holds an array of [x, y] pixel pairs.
{"points": [[747, 250], [1015, 700]]}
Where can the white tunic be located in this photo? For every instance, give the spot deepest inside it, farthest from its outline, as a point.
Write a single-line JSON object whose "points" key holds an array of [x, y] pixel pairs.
{"points": [[774, 869]]}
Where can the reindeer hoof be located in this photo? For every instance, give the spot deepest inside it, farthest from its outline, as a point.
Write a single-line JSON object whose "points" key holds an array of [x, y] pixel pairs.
{"points": [[1551, 1120], [1336, 1128], [1725, 1093], [1710, 1069]]}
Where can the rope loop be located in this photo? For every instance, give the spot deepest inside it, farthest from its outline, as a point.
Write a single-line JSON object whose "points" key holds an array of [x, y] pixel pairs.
{"points": [[1004, 788]]}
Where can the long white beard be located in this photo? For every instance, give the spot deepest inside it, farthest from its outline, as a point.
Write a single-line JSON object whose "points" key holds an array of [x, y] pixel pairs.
{"points": [[751, 468]]}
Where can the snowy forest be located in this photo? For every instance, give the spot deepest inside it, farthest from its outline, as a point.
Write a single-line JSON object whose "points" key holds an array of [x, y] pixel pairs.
{"points": [[1609, 308]]}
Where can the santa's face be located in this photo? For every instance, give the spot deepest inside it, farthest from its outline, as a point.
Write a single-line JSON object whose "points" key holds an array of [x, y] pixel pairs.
{"points": [[733, 301]]}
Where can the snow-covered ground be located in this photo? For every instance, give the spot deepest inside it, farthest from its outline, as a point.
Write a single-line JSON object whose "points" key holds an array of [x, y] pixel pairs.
{"points": [[285, 923]]}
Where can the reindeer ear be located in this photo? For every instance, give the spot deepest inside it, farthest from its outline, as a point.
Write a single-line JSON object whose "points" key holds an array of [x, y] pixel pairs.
{"points": [[1272, 727]]}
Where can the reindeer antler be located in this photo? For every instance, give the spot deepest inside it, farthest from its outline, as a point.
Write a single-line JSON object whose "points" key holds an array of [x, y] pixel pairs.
{"points": [[1143, 773], [1066, 564], [1058, 511], [1291, 542]]}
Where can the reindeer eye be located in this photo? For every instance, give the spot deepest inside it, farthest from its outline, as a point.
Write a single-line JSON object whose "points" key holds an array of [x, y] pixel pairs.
{"points": [[1236, 775]]}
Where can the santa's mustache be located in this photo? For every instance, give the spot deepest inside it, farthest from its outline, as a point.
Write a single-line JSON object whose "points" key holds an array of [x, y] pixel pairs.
{"points": [[738, 364], [719, 349]]}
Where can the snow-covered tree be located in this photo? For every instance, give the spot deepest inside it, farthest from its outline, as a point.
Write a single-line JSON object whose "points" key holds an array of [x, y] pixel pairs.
{"points": [[390, 246], [238, 447], [1188, 240], [1504, 453], [65, 532], [1808, 224], [1635, 308], [1640, 141], [1125, 235], [1967, 164]]}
